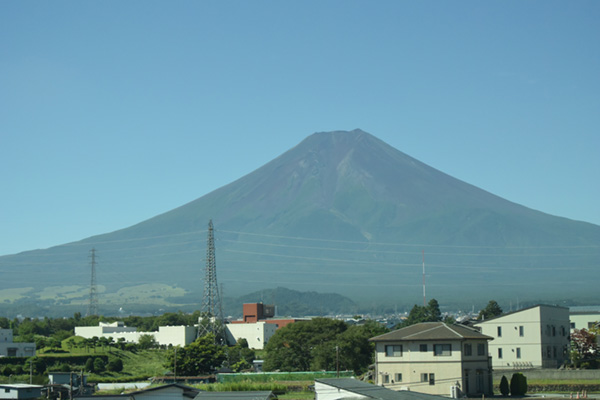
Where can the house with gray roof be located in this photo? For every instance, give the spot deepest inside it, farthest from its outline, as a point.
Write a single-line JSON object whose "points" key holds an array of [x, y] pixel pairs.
{"points": [[348, 388], [434, 358]]}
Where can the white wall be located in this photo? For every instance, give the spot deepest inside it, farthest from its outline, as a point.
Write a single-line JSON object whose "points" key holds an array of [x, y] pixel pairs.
{"points": [[166, 335], [583, 320], [257, 333]]}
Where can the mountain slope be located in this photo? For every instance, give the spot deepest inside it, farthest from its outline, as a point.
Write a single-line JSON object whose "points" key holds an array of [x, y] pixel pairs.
{"points": [[340, 212]]}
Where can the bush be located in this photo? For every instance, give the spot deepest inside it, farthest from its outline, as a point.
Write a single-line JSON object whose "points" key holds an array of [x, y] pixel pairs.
{"points": [[7, 371], [89, 365], [98, 365], [115, 365], [504, 389], [518, 384]]}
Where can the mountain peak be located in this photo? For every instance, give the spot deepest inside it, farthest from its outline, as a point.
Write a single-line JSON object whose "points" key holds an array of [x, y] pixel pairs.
{"points": [[340, 208]]}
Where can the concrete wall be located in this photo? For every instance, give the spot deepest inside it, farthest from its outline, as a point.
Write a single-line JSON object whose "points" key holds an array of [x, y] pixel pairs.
{"points": [[555, 374]]}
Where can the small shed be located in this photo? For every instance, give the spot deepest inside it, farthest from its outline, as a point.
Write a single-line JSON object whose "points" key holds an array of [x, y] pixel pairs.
{"points": [[20, 391]]}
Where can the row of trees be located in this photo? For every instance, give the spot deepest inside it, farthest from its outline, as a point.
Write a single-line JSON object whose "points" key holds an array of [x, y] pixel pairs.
{"points": [[204, 356], [322, 344], [517, 386]]}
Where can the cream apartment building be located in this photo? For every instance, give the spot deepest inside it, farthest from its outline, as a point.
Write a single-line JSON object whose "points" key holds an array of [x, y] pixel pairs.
{"points": [[535, 337], [434, 358]]}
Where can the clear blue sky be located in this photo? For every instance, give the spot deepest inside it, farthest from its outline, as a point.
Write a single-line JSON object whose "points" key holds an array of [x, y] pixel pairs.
{"points": [[112, 112]]}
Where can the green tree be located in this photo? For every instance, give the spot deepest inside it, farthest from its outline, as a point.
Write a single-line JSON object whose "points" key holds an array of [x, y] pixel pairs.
{"points": [[200, 357], [89, 365], [490, 311], [295, 346], [504, 388], [7, 371], [432, 311], [518, 384], [99, 365], [239, 357], [429, 313], [147, 342], [115, 365], [584, 346], [36, 364], [355, 352]]}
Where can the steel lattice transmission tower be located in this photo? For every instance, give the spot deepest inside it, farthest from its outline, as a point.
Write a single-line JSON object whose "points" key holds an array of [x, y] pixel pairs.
{"points": [[212, 311], [93, 305]]}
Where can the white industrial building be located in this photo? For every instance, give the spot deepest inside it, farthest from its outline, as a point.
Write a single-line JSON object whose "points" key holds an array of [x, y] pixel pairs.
{"points": [[166, 335], [256, 333]]}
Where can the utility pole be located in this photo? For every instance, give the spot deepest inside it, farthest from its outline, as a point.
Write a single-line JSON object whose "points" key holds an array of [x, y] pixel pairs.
{"points": [[93, 305], [337, 360]]}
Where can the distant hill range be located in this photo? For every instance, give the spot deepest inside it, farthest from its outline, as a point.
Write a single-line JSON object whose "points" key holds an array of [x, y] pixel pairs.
{"points": [[341, 212]]}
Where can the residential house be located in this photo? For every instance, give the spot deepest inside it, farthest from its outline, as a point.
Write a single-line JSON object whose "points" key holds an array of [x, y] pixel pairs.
{"points": [[434, 358], [348, 388], [534, 337]]}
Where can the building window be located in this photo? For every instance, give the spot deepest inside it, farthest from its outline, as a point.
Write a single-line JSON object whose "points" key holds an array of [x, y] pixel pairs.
{"points": [[549, 352], [518, 352], [521, 331], [499, 331], [398, 377], [553, 330], [555, 352], [480, 349], [424, 377], [572, 325], [423, 348], [393, 350], [385, 378], [499, 352], [432, 379], [468, 349], [442, 349]]}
